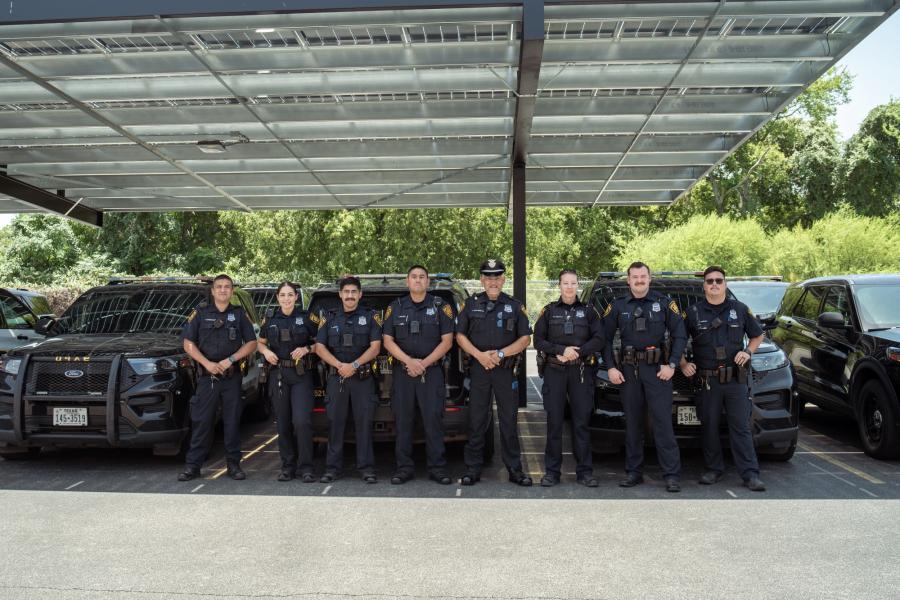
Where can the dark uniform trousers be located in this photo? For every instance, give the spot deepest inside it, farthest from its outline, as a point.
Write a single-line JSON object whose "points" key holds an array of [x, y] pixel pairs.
{"points": [[292, 399], [482, 383], [430, 395], [578, 385], [358, 394], [643, 390], [210, 394], [736, 400]]}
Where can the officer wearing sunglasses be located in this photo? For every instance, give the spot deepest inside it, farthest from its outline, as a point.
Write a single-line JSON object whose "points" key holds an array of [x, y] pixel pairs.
{"points": [[717, 326]]}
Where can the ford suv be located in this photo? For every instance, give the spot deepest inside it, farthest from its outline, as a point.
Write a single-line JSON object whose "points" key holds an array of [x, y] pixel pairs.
{"points": [[112, 372]]}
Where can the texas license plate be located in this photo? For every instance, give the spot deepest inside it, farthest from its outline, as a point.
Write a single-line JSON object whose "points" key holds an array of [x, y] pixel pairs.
{"points": [[70, 417], [687, 415]]}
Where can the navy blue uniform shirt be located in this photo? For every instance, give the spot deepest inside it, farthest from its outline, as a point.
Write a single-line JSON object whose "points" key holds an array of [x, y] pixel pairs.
{"points": [[348, 335], [218, 334], [724, 325], [661, 314], [285, 333], [561, 325], [493, 324], [417, 327]]}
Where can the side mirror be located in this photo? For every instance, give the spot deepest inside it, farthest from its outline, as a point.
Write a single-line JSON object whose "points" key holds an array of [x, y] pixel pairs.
{"points": [[44, 325], [767, 320], [831, 320]]}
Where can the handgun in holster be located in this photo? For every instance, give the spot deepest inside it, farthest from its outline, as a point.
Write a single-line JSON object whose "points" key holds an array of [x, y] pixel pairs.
{"points": [[541, 360], [628, 356]]}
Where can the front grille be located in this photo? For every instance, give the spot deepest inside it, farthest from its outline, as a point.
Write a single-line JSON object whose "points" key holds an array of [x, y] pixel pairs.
{"points": [[49, 378], [680, 383]]}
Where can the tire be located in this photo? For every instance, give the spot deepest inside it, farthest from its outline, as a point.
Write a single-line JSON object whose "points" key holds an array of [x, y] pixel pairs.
{"points": [[30, 453], [261, 410], [780, 455], [877, 421]]}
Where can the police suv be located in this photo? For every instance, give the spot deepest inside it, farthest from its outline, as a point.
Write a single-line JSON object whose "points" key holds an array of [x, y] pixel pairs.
{"points": [[775, 414], [112, 372], [378, 291]]}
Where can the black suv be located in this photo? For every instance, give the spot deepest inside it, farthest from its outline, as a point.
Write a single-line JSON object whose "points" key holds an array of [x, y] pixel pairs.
{"points": [[112, 372], [775, 407], [378, 292], [842, 334]]}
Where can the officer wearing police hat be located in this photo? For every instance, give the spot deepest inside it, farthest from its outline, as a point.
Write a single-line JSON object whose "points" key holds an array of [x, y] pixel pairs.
{"points": [[348, 340], [717, 326], [643, 318], [418, 332], [219, 337], [286, 339], [493, 329], [566, 335]]}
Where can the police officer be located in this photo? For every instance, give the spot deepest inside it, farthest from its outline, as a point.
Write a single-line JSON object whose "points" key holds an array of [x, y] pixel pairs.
{"points": [[717, 326], [218, 336], [418, 332], [493, 329], [286, 336], [566, 335], [643, 317], [348, 341]]}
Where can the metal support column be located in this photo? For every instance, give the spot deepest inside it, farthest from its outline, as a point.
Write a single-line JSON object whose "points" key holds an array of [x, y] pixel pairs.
{"points": [[519, 268]]}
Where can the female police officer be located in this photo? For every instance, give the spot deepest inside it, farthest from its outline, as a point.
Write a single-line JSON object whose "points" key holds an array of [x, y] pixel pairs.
{"points": [[285, 339], [567, 334]]}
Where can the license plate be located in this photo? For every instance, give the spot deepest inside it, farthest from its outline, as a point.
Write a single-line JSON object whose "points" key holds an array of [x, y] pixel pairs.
{"points": [[70, 417], [687, 415]]}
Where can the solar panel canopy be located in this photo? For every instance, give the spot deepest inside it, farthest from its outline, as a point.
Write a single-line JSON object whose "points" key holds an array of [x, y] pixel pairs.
{"points": [[425, 106]]}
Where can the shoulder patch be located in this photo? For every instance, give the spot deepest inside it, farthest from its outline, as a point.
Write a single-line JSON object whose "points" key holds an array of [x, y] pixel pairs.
{"points": [[524, 311], [192, 316], [607, 310], [322, 322], [377, 318], [389, 311], [447, 311], [314, 318], [673, 306]]}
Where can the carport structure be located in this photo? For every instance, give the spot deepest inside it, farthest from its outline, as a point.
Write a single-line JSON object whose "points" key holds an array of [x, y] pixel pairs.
{"points": [[112, 105]]}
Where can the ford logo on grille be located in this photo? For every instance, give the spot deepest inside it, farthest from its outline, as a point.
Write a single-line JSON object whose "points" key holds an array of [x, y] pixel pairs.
{"points": [[74, 373]]}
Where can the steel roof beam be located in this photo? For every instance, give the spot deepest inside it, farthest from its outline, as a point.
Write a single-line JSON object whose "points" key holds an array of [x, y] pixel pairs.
{"points": [[47, 201], [768, 8]]}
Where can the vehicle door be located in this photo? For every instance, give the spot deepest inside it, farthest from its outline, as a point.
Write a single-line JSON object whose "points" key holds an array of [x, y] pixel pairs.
{"points": [[798, 338], [17, 322], [831, 354]]}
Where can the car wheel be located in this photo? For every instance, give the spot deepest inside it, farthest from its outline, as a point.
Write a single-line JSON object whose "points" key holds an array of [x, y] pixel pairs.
{"points": [[261, 410], [780, 455], [877, 422], [28, 454]]}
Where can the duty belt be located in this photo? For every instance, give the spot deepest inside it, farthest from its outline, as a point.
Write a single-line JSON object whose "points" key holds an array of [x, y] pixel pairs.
{"points": [[224, 374], [650, 355], [725, 374], [363, 372], [589, 361]]}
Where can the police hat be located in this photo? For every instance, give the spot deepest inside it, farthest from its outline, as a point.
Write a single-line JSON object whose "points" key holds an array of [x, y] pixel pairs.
{"points": [[492, 267]]}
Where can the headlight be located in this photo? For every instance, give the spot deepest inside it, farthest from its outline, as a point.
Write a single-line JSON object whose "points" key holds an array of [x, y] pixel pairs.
{"points": [[769, 361], [11, 365], [149, 366]]}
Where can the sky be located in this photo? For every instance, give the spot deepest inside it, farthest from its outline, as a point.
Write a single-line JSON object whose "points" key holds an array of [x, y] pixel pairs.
{"points": [[876, 82]]}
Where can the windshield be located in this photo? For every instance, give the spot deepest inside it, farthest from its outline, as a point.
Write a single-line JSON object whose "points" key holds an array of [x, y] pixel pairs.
{"points": [[878, 306], [128, 311], [761, 298]]}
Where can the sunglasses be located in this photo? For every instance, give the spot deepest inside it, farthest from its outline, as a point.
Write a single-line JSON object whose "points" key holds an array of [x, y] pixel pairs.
{"points": [[716, 280]]}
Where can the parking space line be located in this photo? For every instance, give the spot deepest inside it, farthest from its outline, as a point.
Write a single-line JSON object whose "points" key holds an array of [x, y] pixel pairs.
{"points": [[74, 485], [197, 488], [458, 492], [536, 389], [842, 465], [730, 493], [256, 450], [868, 492], [838, 477], [835, 452], [326, 490]]}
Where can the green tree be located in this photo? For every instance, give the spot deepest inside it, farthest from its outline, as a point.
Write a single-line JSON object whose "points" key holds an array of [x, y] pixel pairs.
{"points": [[871, 173]]}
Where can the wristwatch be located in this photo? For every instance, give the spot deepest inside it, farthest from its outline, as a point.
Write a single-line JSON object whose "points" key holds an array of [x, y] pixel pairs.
{"points": [[500, 354], [355, 364], [672, 365], [231, 359]]}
